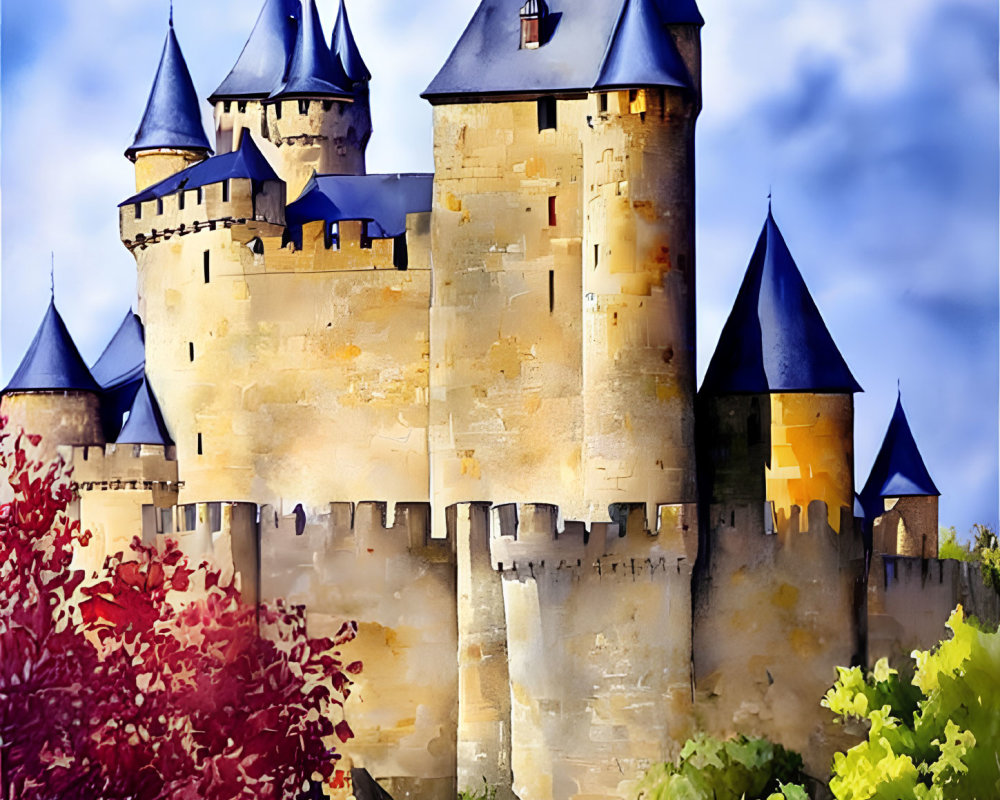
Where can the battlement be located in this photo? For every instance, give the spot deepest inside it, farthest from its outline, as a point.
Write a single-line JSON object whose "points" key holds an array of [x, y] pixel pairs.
{"points": [[342, 246], [260, 206], [531, 536], [125, 467], [763, 520]]}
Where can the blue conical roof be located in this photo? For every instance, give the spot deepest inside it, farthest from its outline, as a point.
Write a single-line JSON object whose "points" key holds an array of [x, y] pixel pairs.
{"points": [[263, 64], [124, 359], [775, 339], [899, 470], [680, 12], [173, 113], [642, 52], [313, 70], [345, 49], [52, 362], [145, 422]]}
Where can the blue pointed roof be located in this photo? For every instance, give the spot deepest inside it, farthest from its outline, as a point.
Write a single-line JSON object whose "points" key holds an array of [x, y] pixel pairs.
{"points": [[173, 112], [345, 48], [899, 470], [488, 59], [263, 64], [52, 362], [775, 339], [246, 162], [124, 359], [145, 423], [680, 12], [313, 71], [642, 52]]}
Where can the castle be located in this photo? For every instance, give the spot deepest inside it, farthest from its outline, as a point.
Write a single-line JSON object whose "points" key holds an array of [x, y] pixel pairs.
{"points": [[461, 407]]}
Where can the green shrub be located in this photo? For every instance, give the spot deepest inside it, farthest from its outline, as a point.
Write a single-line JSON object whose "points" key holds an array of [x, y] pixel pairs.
{"points": [[933, 738], [486, 793], [740, 768]]}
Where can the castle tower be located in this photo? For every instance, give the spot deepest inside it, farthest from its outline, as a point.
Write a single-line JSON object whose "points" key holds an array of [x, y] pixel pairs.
{"points": [[170, 136], [639, 269], [780, 563], [52, 393], [899, 499], [536, 394]]}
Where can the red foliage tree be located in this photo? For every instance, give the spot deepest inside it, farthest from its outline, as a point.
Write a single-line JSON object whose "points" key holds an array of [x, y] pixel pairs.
{"points": [[152, 680]]}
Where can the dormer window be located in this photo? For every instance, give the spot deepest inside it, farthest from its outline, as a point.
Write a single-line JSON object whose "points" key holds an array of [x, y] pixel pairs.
{"points": [[533, 15]]}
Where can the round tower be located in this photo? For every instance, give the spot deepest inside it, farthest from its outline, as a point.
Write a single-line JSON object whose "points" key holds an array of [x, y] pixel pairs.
{"points": [[52, 392], [306, 104], [170, 137], [639, 266]]}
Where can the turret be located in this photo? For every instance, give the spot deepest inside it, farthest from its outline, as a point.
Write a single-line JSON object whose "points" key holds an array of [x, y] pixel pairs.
{"points": [[639, 271], [900, 500], [52, 392], [305, 104], [170, 136], [791, 396], [311, 115], [780, 558]]}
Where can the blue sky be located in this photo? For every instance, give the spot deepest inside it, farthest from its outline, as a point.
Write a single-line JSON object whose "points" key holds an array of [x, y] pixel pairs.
{"points": [[877, 130]]}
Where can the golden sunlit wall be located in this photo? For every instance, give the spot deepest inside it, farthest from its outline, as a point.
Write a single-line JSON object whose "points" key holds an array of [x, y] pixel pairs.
{"points": [[812, 457], [153, 166]]}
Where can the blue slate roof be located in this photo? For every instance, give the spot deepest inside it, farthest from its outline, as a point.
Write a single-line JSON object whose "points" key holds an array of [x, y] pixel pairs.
{"points": [[642, 52], [313, 71], [899, 470], [173, 113], [581, 35], [145, 423], [382, 200], [775, 339], [263, 64], [52, 362], [345, 48], [124, 359], [246, 162]]}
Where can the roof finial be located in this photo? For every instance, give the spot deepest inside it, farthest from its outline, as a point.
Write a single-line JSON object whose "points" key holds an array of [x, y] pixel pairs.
{"points": [[52, 276], [769, 199], [899, 387], [171, 13]]}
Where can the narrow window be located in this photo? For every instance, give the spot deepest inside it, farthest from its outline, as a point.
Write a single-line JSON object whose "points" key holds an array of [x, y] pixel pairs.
{"points": [[191, 352], [597, 255], [227, 106], [546, 113], [277, 110], [529, 33], [366, 241], [201, 449], [604, 102], [333, 236], [303, 107], [242, 106], [552, 211], [400, 253], [180, 200], [138, 210], [206, 260], [201, 195], [225, 191], [159, 205], [328, 104], [552, 290]]}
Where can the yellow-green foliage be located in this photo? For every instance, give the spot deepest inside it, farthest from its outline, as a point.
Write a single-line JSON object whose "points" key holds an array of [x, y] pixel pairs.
{"points": [[486, 793], [934, 738], [738, 769], [950, 547]]}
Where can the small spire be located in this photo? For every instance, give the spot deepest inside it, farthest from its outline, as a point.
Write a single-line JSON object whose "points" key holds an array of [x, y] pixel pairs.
{"points": [[171, 13], [52, 276]]}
